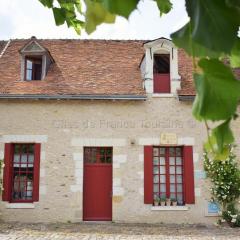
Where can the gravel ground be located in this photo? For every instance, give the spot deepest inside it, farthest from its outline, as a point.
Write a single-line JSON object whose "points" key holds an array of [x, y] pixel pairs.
{"points": [[114, 231]]}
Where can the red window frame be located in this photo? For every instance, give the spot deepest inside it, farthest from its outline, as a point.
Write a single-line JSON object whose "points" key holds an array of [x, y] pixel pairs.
{"points": [[98, 155], [22, 172], [33, 59], [188, 174], [168, 161]]}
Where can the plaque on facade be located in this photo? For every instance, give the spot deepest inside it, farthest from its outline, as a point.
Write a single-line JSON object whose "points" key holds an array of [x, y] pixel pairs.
{"points": [[168, 138]]}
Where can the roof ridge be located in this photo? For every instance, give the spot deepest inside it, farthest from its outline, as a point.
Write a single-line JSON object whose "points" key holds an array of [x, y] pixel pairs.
{"points": [[5, 48]]}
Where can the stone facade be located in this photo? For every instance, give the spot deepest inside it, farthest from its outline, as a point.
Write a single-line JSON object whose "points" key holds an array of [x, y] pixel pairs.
{"points": [[64, 127]]}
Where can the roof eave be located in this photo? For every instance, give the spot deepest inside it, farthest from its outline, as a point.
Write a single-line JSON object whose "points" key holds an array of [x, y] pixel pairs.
{"points": [[72, 97], [188, 98]]}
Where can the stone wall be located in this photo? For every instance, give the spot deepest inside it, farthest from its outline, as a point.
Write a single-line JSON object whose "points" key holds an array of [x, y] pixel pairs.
{"points": [[64, 127]]}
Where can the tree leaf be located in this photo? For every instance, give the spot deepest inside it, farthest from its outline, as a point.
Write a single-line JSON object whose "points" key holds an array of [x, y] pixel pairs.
{"points": [[223, 135], [120, 7], [235, 55], [217, 91], [59, 15], [47, 3], [95, 15], [210, 20], [164, 6], [182, 39]]}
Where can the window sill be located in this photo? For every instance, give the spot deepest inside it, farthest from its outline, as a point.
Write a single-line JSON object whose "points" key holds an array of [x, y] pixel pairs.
{"points": [[163, 95], [20, 205], [169, 208]]}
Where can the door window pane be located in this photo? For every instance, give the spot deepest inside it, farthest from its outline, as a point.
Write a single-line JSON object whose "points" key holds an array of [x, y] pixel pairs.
{"points": [[172, 170], [162, 187]]}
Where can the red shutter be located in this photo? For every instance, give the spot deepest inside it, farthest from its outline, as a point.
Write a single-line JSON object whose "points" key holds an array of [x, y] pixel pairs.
{"points": [[6, 195], [37, 150], [188, 175], [148, 174]]}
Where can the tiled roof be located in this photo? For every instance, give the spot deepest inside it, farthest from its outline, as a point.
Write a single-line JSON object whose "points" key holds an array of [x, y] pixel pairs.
{"points": [[87, 67]]}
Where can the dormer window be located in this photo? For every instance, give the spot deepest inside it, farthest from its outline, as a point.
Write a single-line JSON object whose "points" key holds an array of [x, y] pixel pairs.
{"points": [[161, 73], [33, 68], [35, 61], [159, 68]]}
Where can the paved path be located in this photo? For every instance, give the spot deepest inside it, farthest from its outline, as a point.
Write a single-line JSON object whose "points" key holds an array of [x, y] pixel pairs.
{"points": [[111, 231]]}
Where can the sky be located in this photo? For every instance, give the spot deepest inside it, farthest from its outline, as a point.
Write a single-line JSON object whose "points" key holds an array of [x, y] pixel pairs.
{"points": [[26, 18]]}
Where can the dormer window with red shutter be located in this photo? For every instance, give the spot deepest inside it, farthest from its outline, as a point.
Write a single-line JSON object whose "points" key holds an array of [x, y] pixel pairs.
{"points": [[159, 68], [161, 73], [36, 60]]}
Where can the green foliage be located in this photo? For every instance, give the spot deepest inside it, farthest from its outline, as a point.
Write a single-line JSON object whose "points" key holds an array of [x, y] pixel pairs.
{"points": [[235, 59], [231, 215], [211, 88], [95, 15], [214, 25], [164, 6], [225, 176], [120, 7], [66, 12]]}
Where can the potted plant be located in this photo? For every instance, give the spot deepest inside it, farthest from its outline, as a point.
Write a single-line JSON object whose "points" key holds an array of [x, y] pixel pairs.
{"points": [[168, 202], [174, 201], [156, 200], [162, 201]]}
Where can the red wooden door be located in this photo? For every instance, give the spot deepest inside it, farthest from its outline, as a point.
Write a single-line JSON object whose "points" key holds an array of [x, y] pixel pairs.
{"points": [[97, 184]]}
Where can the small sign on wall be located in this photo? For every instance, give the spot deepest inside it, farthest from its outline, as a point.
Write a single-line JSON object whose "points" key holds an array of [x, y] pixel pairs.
{"points": [[213, 209], [168, 138]]}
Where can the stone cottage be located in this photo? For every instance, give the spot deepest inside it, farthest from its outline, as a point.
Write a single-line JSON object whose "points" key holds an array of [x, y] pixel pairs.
{"points": [[96, 130]]}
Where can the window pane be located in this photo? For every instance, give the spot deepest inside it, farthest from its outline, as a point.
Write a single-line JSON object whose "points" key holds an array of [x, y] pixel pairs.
{"points": [[29, 75], [29, 64], [178, 160], [172, 170], [172, 187], [173, 195], [179, 178], [162, 187], [162, 170], [156, 188], [156, 179], [162, 195], [172, 151], [162, 160], [178, 152], [162, 178], [155, 161], [155, 151], [179, 170], [172, 178], [156, 170], [162, 151], [172, 160], [179, 187], [180, 199]]}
